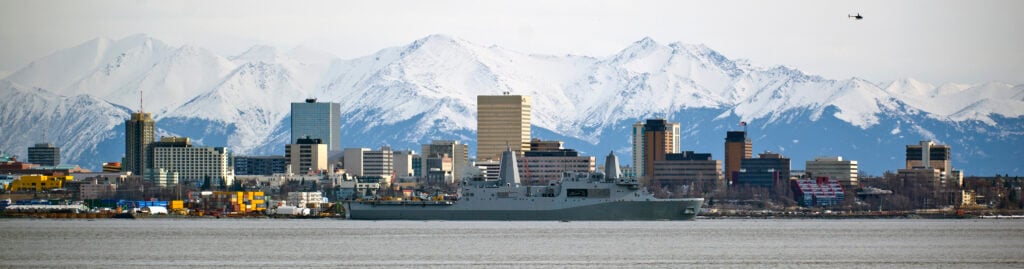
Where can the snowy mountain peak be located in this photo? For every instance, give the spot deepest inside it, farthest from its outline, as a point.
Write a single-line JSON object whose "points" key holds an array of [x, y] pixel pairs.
{"points": [[910, 87], [259, 53]]}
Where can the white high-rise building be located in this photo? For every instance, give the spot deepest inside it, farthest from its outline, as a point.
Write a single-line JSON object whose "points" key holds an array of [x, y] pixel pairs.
{"points": [[834, 167], [192, 164]]}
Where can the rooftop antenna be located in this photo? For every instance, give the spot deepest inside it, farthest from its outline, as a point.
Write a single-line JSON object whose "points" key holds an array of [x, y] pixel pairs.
{"points": [[140, 101]]}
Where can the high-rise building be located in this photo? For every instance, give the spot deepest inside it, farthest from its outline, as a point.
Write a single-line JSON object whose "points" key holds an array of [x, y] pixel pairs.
{"points": [[929, 164], [312, 119], [44, 154], [929, 154], [192, 164], [697, 172], [845, 171], [138, 135], [502, 121], [353, 160], [764, 171], [458, 152], [403, 163], [651, 141], [737, 148], [306, 156], [260, 165], [364, 162]]}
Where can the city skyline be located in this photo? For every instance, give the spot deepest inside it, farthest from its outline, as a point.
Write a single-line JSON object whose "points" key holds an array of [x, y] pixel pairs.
{"points": [[406, 95]]}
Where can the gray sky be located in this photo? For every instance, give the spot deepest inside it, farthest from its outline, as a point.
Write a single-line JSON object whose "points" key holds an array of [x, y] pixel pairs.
{"points": [[933, 41]]}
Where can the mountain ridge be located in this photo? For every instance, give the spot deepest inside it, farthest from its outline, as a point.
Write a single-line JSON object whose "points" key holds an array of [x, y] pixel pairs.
{"points": [[427, 90]]}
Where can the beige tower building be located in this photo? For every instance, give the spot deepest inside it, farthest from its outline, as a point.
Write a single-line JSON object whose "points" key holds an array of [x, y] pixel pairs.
{"points": [[502, 121], [307, 155]]}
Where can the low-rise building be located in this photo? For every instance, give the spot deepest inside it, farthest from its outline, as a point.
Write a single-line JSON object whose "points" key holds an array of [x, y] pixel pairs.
{"points": [[766, 170], [38, 183], [96, 189], [696, 172], [259, 165], [303, 199], [821, 191], [542, 166]]}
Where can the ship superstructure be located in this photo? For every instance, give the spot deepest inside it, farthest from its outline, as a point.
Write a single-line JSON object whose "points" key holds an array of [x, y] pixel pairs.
{"points": [[577, 196]]}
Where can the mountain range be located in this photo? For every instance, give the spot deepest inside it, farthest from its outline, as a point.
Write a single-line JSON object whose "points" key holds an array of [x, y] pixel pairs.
{"points": [[79, 97]]}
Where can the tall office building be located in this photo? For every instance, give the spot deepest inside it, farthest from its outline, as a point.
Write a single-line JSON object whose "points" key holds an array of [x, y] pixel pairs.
{"points": [[137, 137], [317, 120], [306, 156], [502, 121], [845, 171], [651, 141], [44, 154], [737, 148], [927, 154], [437, 149], [932, 162]]}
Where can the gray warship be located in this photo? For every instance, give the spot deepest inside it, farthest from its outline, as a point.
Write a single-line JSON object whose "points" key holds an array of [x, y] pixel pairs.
{"points": [[577, 196]]}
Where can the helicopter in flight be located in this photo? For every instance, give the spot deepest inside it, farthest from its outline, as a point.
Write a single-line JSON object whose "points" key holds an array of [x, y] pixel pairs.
{"points": [[856, 17]]}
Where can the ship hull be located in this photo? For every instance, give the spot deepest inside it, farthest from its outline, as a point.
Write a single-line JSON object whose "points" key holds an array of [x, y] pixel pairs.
{"points": [[674, 209]]}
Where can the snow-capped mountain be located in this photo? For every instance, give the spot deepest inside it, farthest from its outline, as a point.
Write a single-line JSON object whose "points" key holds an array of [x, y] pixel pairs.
{"points": [[406, 95], [83, 126]]}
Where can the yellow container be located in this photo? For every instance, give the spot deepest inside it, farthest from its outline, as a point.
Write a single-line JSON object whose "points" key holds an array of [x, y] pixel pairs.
{"points": [[177, 204]]}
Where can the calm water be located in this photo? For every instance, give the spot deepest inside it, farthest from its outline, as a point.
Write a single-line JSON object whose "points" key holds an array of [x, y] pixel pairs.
{"points": [[436, 244]]}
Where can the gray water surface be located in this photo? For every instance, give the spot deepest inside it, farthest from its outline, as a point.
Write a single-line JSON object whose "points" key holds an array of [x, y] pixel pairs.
{"points": [[206, 243]]}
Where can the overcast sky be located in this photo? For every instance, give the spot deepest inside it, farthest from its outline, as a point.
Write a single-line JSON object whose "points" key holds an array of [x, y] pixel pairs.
{"points": [[933, 41]]}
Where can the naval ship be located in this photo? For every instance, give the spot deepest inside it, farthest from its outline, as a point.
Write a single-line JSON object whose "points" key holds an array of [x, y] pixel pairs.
{"points": [[577, 196]]}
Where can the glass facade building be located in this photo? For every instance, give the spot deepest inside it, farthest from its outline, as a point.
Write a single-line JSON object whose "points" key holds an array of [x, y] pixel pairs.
{"points": [[312, 119]]}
